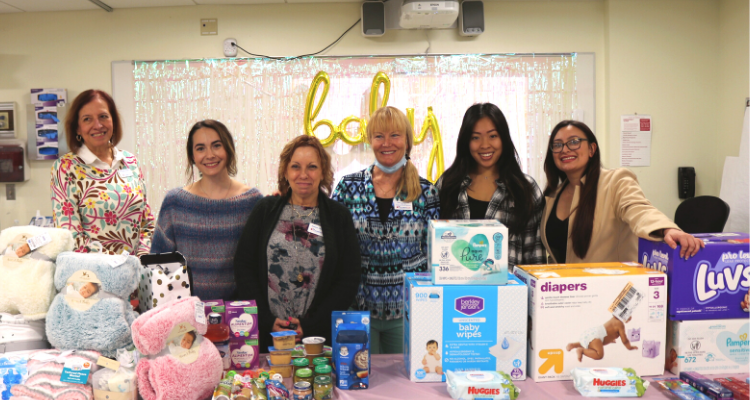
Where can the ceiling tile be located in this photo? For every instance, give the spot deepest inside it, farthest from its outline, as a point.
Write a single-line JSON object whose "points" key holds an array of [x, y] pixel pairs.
{"points": [[147, 3], [235, 2], [4, 8], [52, 5]]}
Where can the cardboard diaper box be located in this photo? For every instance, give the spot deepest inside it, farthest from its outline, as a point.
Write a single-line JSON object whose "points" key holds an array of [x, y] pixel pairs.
{"points": [[468, 252], [350, 331], [713, 284], [242, 318], [594, 315], [715, 346], [464, 328]]}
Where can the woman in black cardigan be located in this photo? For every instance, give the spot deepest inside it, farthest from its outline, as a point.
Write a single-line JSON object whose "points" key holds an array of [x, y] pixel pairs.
{"points": [[298, 256]]}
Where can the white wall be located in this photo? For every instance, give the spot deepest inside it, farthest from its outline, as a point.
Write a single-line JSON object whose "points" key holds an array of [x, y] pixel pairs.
{"points": [[661, 57]]}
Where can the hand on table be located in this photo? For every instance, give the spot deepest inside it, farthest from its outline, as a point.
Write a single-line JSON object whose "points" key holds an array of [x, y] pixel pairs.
{"points": [[689, 243]]}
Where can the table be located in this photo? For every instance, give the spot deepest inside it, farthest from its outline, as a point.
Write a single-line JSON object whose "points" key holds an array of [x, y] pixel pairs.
{"points": [[388, 380]]}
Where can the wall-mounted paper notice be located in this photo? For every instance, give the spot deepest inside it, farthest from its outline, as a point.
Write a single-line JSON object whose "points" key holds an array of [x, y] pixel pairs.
{"points": [[635, 140]]}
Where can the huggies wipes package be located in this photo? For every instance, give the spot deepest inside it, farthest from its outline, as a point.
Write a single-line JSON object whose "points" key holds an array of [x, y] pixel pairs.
{"points": [[464, 328], [580, 315], [464, 252], [476, 385], [713, 346], [713, 284]]}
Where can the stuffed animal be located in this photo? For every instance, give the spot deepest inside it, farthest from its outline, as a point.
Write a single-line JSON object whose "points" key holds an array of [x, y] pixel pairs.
{"points": [[92, 312], [181, 365], [27, 285]]}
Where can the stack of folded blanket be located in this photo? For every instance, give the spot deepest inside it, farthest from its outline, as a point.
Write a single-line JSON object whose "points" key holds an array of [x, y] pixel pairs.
{"points": [[45, 368]]}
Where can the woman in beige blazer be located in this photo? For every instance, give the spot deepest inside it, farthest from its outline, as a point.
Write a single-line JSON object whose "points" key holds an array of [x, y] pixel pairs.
{"points": [[594, 214]]}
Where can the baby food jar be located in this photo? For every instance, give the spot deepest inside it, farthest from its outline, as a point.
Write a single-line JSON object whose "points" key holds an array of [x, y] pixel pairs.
{"points": [[283, 340], [302, 391], [313, 344], [323, 388], [323, 370], [298, 363], [303, 374], [320, 361]]}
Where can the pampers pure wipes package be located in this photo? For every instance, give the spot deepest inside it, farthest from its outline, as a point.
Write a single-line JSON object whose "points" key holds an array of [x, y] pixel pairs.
{"points": [[468, 252], [713, 346], [714, 284], [580, 315], [464, 328]]}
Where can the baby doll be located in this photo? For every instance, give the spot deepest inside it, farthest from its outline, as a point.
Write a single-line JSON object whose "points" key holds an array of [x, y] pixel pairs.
{"points": [[431, 360], [593, 340]]}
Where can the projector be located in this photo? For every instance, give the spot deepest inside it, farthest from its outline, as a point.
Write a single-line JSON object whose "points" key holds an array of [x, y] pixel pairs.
{"points": [[417, 14]]}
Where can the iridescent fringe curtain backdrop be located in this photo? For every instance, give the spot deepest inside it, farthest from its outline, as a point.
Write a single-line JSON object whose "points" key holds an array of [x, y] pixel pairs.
{"points": [[262, 102]]}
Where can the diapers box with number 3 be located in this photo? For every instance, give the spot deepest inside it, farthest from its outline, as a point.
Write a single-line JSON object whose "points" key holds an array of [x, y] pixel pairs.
{"points": [[594, 315], [468, 252]]}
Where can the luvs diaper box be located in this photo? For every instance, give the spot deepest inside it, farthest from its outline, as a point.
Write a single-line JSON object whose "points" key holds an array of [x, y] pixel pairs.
{"points": [[464, 328], [468, 252], [713, 284], [713, 346], [594, 315]]}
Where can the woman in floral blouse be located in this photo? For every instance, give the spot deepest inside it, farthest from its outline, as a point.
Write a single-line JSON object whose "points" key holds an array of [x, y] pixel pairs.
{"points": [[98, 190]]}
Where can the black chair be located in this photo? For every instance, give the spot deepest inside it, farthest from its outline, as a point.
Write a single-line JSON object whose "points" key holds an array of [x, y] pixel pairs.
{"points": [[702, 214]]}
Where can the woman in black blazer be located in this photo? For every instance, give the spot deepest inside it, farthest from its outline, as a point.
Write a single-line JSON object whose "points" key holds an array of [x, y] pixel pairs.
{"points": [[298, 256]]}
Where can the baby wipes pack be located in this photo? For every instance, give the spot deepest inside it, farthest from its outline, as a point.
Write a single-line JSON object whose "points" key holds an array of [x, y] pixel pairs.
{"points": [[580, 315], [481, 385], [713, 284], [712, 346], [468, 252], [608, 382], [464, 328]]}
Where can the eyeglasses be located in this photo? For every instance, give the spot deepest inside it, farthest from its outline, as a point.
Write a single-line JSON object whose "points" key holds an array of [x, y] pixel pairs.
{"points": [[573, 144]]}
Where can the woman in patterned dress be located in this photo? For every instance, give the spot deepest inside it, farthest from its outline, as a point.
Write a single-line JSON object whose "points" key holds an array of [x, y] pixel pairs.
{"points": [[391, 205], [97, 189], [298, 256]]}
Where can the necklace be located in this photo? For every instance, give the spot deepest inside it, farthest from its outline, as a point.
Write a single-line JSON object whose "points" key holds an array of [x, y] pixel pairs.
{"points": [[385, 192], [294, 229], [226, 192]]}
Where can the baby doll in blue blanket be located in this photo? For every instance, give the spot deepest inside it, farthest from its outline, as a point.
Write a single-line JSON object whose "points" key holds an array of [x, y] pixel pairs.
{"points": [[92, 311]]}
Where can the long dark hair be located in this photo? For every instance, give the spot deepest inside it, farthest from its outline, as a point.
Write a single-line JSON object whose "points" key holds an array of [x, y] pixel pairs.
{"points": [[584, 221], [521, 191]]}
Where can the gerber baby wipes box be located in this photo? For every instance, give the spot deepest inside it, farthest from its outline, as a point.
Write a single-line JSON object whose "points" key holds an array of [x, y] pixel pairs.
{"points": [[714, 346], [464, 328], [594, 315], [714, 284], [468, 252]]}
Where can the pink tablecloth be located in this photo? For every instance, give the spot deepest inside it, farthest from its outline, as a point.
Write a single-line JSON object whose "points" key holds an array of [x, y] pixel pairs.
{"points": [[389, 381]]}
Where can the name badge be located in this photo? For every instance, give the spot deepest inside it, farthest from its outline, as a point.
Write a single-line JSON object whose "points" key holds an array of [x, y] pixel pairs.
{"points": [[315, 229], [401, 206], [125, 173]]}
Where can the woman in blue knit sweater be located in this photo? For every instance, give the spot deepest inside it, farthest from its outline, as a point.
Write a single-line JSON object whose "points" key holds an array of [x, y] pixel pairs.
{"points": [[204, 220]]}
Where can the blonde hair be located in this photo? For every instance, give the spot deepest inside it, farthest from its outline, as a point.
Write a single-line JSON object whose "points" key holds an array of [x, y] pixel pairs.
{"points": [[326, 182], [387, 119]]}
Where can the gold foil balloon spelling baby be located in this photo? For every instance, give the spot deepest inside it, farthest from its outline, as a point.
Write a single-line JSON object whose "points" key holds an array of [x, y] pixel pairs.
{"points": [[337, 132], [340, 132], [436, 153]]}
